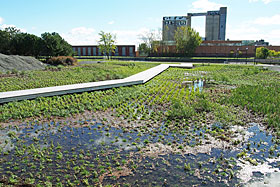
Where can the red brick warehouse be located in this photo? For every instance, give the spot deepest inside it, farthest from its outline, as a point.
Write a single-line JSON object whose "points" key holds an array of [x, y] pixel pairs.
{"points": [[93, 50]]}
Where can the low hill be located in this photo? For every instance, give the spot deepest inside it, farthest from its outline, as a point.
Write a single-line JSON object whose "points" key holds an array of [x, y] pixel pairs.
{"points": [[20, 63]]}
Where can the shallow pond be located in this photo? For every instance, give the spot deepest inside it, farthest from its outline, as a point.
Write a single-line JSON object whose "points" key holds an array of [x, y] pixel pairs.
{"points": [[87, 152], [194, 85]]}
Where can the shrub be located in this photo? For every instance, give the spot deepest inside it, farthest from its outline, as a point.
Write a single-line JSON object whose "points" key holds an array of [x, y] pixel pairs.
{"points": [[62, 60], [14, 71], [262, 53]]}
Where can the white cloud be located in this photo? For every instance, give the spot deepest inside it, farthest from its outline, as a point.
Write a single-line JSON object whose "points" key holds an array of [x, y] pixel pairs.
{"points": [[259, 28], [274, 20], [243, 32], [205, 5], [266, 28], [249, 31], [1, 20], [82, 30], [81, 36], [275, 32], [201, 30], [273, 37], [129, 37], [88, 36], [111, 22]]}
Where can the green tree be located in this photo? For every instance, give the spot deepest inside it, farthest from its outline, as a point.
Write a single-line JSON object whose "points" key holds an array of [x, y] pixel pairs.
{"points": [[55, 45], [12, 31], [274, 54], [187, 40], [151, 42], [106, 44], [6, 37], [262, 52], [4, 42], [143, 49], [26, 44], [12, 41]]}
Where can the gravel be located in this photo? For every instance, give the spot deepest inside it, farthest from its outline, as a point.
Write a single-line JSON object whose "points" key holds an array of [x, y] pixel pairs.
{"points": [[20, 63]]}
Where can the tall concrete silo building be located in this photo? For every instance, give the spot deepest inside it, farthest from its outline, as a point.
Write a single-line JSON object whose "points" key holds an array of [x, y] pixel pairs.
{"points": [[215, 27], [216, 24]]}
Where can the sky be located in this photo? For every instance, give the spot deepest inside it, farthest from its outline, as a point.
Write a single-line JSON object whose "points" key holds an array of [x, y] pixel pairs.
{"points": [[80, 21]]}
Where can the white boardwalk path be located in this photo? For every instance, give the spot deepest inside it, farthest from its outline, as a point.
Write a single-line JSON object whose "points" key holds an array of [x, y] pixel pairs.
{"points": [[139, 78]]}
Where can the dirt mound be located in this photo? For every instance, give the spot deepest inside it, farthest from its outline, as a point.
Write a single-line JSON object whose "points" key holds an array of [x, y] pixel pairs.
{"points": [[20, 63]]}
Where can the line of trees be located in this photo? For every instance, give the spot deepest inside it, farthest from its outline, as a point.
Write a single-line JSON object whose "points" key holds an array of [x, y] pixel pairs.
{"points": [[15, 42]]}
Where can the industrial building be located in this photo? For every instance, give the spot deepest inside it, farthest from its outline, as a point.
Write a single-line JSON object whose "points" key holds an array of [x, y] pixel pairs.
{"points": [[229, 48], [170, 25], [93, 50], [215, 27]]}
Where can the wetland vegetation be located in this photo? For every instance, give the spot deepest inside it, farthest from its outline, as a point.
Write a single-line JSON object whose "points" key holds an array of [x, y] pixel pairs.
{"points": [[214, 125], [60, 75]]}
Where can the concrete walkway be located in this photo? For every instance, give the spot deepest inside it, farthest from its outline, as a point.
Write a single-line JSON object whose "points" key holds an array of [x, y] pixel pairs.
{"points": [[139, 78], [270, 67]]}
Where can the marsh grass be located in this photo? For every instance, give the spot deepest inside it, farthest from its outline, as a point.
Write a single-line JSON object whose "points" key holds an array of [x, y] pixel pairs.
{"points": [[142, 128]]}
